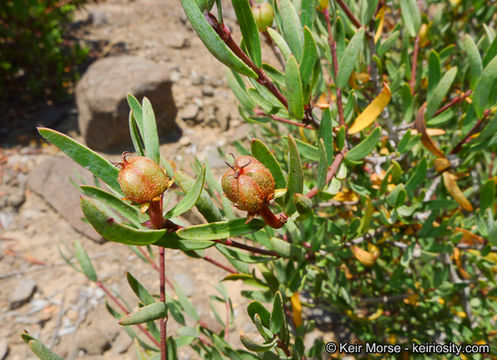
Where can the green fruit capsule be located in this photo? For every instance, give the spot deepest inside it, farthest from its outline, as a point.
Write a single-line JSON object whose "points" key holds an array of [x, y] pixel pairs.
{"points": [[263, 15]]}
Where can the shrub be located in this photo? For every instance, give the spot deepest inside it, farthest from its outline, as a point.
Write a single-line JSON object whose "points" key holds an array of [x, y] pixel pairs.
{"points": [[380, 140], [37, 59]]}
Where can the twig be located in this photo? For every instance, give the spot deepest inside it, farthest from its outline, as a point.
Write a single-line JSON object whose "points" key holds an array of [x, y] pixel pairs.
{"points": [[333, 47], [252, 249], [332, 170], [349, 14], [473, 130], [123, 308], [282, 120], [414, 64], [154, 265], [218, 264], [453, 102]]}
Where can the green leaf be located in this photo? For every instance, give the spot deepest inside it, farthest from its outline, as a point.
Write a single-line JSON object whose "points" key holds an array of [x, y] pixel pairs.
{"points": [[124, 208], [386, 45], [150, 136], [253, 346], [364, 147], [278, 319], [481, 95], [265, 333], [147, 313], [291, 28], [185, 303], [295, 176], [349, 58], [84, 261], [172, 349], [37, 347], [306, 150], [140, 290], [434, 72], [111, 230], [285, 249], [491, 52], [487, 195], [309, 58], [256, 307], [411, 16], [236, 84], [280, 43], [191, 197], [204, 203], [249, 29], [307, 12], [135, 135], [326, 133], [475, 63], [242, 256], [440, 92], [220, 230], [173, 241], [418, 176], [294, 92], [212, 41], [137, 111], [267, 158], [323, 166], [85, 157]]}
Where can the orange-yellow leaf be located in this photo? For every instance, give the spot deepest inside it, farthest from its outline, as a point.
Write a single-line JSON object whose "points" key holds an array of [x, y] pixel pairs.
{"points": [[420, 126], [469, 238], [457, 259], [381, 16], [455, 191], [296, 309], [430, 132], [363, 256], [373, 250], [441, 164], [322, 102], [372, 111]]}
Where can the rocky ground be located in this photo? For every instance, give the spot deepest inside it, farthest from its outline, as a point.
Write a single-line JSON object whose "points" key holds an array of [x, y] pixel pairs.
{"points": [[39, 210]]}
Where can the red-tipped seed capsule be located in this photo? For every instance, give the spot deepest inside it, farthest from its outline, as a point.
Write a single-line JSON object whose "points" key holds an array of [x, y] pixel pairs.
{"points": [[141, 179]]}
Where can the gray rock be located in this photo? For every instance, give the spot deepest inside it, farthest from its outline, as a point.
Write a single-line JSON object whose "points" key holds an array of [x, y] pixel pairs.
{"points": [[22, 294], [121, 343], [102, 105], [98, 17], [190, 112], [185, 283], [4, 349], [51, 180], [93, 341]]}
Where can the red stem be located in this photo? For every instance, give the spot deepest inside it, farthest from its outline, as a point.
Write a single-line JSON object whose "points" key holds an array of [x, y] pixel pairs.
{"points": [[414, 64], [123, 308], [163, 345], [218, 264], [333, 47], [282, 120], [349, 14], [238, 245], [332, 170], [154, 265], [275, 221], [473, 130], [453, 102]]}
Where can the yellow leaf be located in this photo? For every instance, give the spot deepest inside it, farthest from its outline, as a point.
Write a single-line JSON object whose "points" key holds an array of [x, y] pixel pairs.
{"points": [[322, 102], [441, 164], [455, 191], [468, 237], [296, 309], [372, 111], [381, 16], [374, 250], [420, 126], [363, 256], [430, 132]]}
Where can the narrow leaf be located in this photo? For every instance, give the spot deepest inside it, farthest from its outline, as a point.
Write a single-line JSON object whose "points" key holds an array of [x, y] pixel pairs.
{"points": [[280, 43], [440, 92], [185, 303], [253, 346], [323, 166], [291, 28], [267, 158], [85, 157], [191, 197], [111, 230], [235, 82], [212, 41], [37, 347], [295, 175], [364, 147], [150, 136], [481, 95], [349, 58], [454, 190], [84, 261], [309, 58], [420, 126], [147, 313], [249, 29], [411, 16], [220, 230], [256, 307], [294, 92], [372, 111], [475, 62]]}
